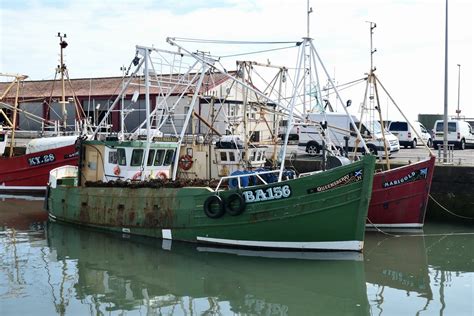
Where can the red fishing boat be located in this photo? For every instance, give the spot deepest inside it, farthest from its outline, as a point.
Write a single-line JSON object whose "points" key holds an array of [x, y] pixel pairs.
{"points": [[400, 196], [30, 172]]}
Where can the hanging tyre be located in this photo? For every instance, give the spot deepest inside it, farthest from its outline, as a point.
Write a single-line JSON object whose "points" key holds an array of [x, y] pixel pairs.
{"points": [[235, 204], [214, 206]]}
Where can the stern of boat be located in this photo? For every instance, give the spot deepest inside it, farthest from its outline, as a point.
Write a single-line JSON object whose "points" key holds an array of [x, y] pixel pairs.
{"points": [[64, 175]]}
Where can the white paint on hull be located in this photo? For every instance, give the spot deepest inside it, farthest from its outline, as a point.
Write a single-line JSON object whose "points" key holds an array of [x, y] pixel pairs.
{"points": [[166, 233], [355, 245], [404, 225]]}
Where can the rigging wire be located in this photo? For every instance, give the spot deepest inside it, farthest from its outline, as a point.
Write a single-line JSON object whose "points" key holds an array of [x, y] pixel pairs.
{"points": [[257, 52], [217, 41]]}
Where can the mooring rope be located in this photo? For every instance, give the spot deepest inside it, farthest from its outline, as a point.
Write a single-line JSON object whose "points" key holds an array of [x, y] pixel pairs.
{"points": [[445, 209], [381, 231]]}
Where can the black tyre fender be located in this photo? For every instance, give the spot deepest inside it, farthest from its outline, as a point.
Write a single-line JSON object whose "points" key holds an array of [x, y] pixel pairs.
{"points": [[213, 212], [230, 206]]}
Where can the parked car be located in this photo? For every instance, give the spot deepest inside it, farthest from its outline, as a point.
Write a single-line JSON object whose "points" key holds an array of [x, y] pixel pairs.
{"points": [[460, 134], [407, 133]]}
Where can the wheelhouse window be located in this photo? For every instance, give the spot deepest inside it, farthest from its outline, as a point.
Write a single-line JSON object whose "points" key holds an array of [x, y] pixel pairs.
{"points": [[231, 156], [151, 156], [169, 157], [137, 157], [121, 156], [113, 157], [223, 156], [160, 154]]}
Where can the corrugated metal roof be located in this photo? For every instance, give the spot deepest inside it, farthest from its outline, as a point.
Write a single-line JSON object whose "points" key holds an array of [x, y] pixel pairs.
{"points": [[85, 87]]}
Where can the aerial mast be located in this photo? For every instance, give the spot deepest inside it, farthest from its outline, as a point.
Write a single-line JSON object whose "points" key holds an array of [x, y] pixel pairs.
{"points": [[61, 70]]}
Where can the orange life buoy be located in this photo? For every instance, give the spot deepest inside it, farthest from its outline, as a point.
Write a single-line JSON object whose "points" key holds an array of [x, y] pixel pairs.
{"points": [[117, 170], [162, 175], [137, 175], [185, 162]]}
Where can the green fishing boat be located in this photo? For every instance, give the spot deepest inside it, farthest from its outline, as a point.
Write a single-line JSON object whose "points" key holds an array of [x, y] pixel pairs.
{"points": [[322, 210], [155, 183]]}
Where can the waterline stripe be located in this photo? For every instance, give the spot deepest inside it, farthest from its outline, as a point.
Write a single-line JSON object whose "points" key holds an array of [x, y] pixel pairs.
{"points": [[326, 245], [406, 225]]}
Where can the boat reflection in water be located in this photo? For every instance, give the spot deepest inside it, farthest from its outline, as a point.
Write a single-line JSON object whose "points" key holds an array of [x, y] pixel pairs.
{"points": [[422, 272], [400, 264], [122, 274]]}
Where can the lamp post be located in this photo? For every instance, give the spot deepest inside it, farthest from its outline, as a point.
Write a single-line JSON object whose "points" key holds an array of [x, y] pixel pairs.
{"points": [[458, 111], [445, 116]]}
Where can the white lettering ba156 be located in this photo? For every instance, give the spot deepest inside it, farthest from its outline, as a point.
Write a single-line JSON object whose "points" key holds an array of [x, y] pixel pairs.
{"points": [[273, 193]]}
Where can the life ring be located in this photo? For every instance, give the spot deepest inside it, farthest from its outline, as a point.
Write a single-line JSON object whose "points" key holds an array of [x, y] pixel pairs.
{"points": [[185, 162], [235, 204], [161, 175], [137, 175], [116, 170], [211, 209]]}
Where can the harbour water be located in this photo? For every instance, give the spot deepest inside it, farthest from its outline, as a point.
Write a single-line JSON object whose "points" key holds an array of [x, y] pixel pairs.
{"points": [[56, 269]]}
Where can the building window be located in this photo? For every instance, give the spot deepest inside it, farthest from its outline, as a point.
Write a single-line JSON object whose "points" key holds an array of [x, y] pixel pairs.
{"points": [[137, 157], [231, 110], [122, 158]]}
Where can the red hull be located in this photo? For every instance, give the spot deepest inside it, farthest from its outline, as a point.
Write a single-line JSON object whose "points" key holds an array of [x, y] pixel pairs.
{"points": [[400, 195], [32, 170]]}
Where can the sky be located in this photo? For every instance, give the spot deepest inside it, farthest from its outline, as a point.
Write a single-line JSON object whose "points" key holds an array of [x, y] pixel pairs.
{"points": [[409, 39]]}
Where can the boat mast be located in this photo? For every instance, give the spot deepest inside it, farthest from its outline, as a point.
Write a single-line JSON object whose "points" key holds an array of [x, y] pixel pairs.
{"points": [[16, 81], [61, 70], [373, 89], [245, 113], [306, 63], [146, 56], [122, 106]]}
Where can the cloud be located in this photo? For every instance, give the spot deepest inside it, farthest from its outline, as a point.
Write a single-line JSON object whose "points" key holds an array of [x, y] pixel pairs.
{"points": [[102, 36]]}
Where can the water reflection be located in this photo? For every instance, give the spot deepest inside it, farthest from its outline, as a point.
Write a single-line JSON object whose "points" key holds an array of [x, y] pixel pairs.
{"points": [[410, 273], [397, 263], [118, 274], [67, 270]]}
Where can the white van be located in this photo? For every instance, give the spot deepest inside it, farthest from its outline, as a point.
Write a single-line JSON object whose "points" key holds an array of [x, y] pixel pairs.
{"points": [[339, 127], [406, 133], [460, 134], [283, 127]]}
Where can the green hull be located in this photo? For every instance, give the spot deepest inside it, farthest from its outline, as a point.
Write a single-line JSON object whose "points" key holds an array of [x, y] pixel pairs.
{"points": [[322, 211]]}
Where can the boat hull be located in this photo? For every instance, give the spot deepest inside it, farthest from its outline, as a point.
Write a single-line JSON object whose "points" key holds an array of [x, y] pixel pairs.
{"points": [[322, 211], [30, 172], [400, 196]]}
